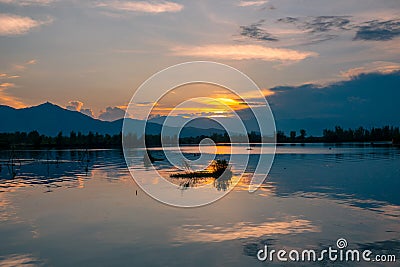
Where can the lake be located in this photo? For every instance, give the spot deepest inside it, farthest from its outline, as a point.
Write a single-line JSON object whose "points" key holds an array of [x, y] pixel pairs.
{"points": [[82, 208]]}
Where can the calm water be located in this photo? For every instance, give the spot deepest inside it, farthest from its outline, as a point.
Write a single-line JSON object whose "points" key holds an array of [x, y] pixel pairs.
{"points": [[70, 208]]}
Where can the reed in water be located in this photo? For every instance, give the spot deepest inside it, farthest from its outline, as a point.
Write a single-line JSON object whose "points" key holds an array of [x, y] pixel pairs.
{"points": [[215, 170]]}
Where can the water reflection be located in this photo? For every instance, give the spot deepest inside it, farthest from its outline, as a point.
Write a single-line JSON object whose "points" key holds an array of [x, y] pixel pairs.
{"points": [[221, 183], [27, 260], [385, 247], [242, 230], [51, 168], [313, 196]]}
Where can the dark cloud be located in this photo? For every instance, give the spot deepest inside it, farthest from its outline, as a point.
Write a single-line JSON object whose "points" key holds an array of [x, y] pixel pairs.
{"points": [[288, 20], [255, 31], [87, 111], [327, 23], [375, 30], [319, 24], [365, 100], [319, 38], [319, 27], [323, 28], [112, 114]]}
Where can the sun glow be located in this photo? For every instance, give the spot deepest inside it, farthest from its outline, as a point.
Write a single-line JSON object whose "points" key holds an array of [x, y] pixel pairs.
{"points": [[202, 100], [227, 101]]}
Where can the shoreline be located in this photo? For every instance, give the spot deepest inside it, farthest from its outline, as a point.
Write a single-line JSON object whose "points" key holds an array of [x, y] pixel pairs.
{"points": [[100, 148]]}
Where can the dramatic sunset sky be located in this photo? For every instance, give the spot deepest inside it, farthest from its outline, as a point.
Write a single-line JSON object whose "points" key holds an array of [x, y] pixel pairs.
{"points": [[90, 56]]}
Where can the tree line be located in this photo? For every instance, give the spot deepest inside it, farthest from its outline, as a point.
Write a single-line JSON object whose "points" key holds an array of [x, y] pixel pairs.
{"points": [[73, 140], [95, 140], [339, 134]]}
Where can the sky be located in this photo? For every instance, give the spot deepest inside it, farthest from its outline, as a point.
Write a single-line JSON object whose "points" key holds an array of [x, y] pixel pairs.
{"points": [[91, 56]]}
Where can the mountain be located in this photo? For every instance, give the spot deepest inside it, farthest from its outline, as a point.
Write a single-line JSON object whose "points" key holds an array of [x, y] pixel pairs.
{"points": [[175, 121], [248, 120], [50, 119]]}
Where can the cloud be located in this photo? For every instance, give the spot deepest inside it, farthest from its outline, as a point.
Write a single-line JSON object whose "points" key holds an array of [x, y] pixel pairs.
{"points": [[23, 66], [376, 30], [17, 25], [382, 67], [319, 28], [242, 52], [327, 23], [78, 106], [13, 77], [254, 31], [6, 85], [319, 23], [142, 6], [28, 2], [375, 67], [112, 114], [7, 99], [75, 105], [364, 100], [5, 76], [20, 260], [252, 3], [144, 104], [87, 111], [323, 28]]}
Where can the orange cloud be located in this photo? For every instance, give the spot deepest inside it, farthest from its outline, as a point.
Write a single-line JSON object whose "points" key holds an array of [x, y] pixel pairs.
{"points": [[242, 52], [23, 66], [142, 6], [17, 25], [7, 99], [382, 67], [7, 85], [6, 76], [19, 260], [251, 95], [373, 67], [78, 106], [31, 62], [75, 105], [204, 100]]}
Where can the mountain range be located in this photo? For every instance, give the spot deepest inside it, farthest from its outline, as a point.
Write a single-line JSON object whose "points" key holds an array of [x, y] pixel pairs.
{"points": [[50, 119]]}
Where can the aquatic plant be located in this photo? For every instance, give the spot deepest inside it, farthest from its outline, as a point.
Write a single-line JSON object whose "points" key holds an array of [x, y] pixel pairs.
{"points": [[215, 170]]}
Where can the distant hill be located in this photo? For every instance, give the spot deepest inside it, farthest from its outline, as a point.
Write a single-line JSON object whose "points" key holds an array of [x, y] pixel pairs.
{"points": [[200, 123], [50, 119]]}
